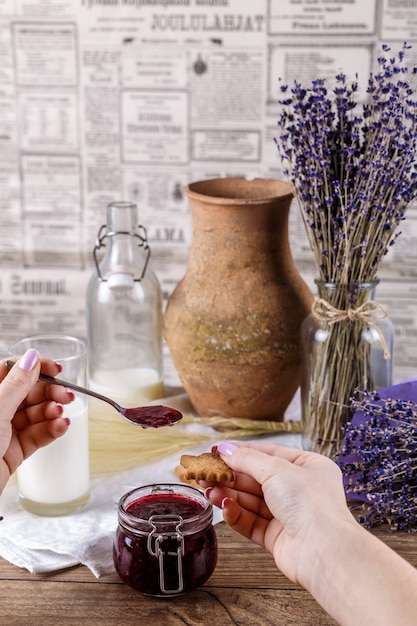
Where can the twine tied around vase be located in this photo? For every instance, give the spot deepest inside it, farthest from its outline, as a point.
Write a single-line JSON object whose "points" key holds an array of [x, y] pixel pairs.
{"points": [[326, 312]]}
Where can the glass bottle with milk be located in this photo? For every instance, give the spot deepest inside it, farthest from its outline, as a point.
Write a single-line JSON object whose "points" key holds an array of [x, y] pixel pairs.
{"points": [[124, 313]]}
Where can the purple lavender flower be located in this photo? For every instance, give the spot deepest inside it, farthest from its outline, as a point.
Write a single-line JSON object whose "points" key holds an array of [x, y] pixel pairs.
{"points": [[378, 459], [353, 173]]}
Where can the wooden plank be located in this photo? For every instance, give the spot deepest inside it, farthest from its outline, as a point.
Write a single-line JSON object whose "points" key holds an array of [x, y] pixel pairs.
{"points": [[106, 605]]}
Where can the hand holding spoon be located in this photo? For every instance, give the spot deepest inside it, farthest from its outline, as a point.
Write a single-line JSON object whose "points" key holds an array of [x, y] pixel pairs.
{"points": [[145, 416]]}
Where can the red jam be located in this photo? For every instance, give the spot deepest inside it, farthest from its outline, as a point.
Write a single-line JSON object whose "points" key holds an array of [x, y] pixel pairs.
{"points": [[165, 543]]}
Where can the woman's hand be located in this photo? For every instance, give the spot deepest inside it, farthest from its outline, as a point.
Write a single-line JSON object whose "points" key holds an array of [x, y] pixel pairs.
{"points": [[283, 499], [293, 503], [30, 410]]}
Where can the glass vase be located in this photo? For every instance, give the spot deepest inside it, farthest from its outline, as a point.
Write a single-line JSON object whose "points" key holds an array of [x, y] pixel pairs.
{"points": [[347, 346]]}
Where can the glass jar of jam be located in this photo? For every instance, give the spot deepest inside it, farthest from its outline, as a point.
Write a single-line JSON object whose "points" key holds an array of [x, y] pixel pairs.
{"points": [[165, 542]]}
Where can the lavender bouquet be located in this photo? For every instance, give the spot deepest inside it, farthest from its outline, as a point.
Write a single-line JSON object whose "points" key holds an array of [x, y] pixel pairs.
{"points": [[353, 172], [378, 458]]}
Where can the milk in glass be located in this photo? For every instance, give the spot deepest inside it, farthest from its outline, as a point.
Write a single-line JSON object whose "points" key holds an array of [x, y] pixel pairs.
{"points": [[58, 474]]}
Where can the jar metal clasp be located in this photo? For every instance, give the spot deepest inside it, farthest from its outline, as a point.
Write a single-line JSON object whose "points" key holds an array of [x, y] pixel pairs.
{"points": [[173, 537]]}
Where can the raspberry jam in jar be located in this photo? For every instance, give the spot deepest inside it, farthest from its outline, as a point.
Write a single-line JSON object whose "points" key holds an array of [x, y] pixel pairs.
{"points": [[165, 542]]}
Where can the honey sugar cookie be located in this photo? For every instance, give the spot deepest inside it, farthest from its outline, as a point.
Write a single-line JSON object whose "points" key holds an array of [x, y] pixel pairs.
{"points": [[207, 466]]}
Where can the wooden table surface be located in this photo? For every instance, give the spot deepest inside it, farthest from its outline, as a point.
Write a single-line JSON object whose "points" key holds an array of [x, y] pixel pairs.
{"points": [[246, 589]]}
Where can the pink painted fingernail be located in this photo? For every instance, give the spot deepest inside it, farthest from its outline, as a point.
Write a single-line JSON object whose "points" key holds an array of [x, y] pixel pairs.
{"points": [[227, 448], [29, 360]]}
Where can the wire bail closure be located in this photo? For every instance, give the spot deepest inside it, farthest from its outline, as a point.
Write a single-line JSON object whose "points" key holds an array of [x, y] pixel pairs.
{"points": [[141, 235], [175, 540]]}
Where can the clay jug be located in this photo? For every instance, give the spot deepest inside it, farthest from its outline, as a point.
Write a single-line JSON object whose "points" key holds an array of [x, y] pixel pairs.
{"points": [[232, 323]]}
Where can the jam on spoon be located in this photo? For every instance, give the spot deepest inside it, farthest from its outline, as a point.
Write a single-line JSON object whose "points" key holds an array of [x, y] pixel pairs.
{"points": [[145, 416]]}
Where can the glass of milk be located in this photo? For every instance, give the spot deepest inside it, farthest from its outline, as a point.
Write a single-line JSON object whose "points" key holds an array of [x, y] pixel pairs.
{"points": [[55, 480]]}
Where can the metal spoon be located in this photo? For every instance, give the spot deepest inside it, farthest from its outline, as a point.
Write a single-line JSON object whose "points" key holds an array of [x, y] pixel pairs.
{"points": [[145, 416]]}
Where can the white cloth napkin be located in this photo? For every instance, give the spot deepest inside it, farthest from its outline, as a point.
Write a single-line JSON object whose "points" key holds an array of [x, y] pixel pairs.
{"points": [[43, 544]]}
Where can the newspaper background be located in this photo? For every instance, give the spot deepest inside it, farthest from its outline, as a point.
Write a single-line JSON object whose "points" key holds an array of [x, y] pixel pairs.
{"points": [[104, 100]]}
